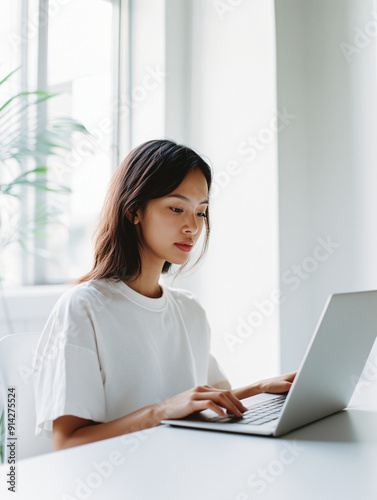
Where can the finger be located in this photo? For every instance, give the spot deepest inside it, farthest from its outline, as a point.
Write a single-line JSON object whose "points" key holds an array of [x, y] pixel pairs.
{"points": [[213, 406], [284, 387], [290, 376], [207, 404], [229, 394], [222, 399], [233, 399]]}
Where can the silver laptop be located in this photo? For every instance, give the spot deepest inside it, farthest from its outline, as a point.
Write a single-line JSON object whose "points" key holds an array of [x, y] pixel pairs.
{"points": [[325, 381]]}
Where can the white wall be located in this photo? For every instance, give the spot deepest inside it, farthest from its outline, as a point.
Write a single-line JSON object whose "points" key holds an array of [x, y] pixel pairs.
{"points": [[230, 101], [327, 159]]}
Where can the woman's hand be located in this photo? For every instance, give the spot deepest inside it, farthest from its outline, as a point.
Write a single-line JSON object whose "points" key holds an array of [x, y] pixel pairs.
{"points": [[279, 384], [205, 397], [197, 399]]}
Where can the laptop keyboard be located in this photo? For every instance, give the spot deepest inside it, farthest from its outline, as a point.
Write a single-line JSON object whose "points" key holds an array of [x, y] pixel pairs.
{"points": [[257, 414]]}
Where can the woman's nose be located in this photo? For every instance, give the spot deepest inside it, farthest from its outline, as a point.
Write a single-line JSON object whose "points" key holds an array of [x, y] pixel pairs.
{"points": [[191, 224]]}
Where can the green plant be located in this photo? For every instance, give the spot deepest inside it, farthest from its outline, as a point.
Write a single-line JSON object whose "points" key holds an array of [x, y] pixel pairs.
{"points": [[25, 147], [24, 142]]}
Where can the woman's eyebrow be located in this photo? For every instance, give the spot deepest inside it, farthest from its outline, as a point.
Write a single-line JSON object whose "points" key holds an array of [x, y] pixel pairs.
{"points": [[181, 197]]}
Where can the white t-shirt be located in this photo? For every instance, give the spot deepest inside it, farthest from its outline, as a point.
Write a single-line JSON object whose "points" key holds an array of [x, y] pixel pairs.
{"points": [[107, 350]]}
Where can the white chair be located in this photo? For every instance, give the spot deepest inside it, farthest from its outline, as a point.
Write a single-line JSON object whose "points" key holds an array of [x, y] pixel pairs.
{"points": [[16, 358]]}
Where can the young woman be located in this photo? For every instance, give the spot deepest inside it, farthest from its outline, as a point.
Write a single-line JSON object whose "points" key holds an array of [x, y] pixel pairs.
{"points": [[120, 352]]}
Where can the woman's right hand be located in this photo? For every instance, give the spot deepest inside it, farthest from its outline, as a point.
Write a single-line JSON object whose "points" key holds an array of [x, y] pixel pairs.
{"points": [[200, 398], [70, 430]]}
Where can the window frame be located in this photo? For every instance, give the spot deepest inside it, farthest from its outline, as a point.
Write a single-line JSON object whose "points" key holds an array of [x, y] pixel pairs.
{"points": [[34, 266]]}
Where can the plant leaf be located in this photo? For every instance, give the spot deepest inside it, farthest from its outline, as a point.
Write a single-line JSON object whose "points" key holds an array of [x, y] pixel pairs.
{"points": [[10, 74]]}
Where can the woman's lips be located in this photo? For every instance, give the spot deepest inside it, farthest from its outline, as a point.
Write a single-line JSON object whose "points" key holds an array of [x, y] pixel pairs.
{"points": [[184, 248]]}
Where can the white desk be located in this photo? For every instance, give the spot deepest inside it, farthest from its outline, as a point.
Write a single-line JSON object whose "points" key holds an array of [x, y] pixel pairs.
{"points": [[335, 458]]}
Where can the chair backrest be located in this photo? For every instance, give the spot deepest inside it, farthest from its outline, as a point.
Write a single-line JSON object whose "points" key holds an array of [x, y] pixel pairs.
{"points": [[16, 359]]}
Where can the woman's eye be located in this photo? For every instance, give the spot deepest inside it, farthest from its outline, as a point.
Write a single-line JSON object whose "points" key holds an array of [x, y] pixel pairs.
{"points": [[179, 210]]}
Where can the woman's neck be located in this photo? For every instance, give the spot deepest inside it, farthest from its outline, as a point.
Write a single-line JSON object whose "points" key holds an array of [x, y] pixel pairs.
{"points": [[147, 285]]}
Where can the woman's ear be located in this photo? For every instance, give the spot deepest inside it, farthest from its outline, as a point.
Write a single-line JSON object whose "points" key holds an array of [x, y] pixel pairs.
{"points": [[133, 216], [137, 218]]}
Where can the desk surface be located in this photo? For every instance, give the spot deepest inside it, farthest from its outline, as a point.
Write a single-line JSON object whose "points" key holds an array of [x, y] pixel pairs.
{"points": [[334, 458]]}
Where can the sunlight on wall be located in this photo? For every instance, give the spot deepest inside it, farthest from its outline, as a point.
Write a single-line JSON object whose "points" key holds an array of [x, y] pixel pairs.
{"points": [[234, 123]]}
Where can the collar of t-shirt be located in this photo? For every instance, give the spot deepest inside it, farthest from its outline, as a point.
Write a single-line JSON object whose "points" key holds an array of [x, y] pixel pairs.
{"points": [[147, 302]]}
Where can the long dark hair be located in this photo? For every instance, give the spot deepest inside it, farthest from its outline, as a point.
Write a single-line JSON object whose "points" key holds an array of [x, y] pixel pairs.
{"points": [[151, 170]]}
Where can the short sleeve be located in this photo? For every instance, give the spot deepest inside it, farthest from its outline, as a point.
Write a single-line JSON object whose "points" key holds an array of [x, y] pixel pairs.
{"points": [[67, 376], [216, 374]]}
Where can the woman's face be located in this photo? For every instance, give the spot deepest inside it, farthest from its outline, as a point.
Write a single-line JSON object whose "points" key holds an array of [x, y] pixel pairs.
{"points": [[171, 225]]}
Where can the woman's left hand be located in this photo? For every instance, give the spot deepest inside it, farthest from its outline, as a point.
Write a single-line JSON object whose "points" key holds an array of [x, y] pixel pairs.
{"points": [[279, 384]]}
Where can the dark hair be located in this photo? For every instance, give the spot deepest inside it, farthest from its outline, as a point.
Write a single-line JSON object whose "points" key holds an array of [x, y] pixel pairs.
{"points": [[151, 170]]}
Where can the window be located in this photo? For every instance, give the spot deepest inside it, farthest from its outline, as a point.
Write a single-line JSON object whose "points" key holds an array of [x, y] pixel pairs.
{"points": [[59, 50]]}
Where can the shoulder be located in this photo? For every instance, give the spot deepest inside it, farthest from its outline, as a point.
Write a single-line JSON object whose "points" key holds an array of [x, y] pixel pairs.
{"points": [[186, 299], [191, 311], [85, 298], [71, 321]]}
